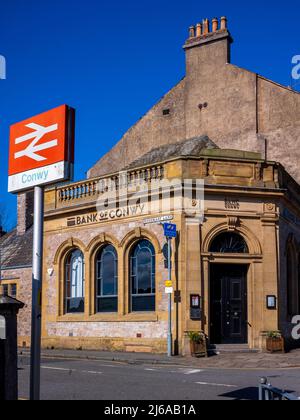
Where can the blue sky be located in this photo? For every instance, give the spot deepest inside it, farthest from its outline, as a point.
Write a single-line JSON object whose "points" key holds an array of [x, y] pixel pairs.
{"points": [[112, 60]]}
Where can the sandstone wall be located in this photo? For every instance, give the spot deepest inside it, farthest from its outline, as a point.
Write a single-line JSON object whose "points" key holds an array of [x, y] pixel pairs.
{"points": [[23, 279]]}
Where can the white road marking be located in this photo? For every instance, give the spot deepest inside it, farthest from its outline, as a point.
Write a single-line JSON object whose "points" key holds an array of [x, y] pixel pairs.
{"points": [[56, 368], [151, 370], [111, 366], [193, 372], [90, 372], [219, 385]]}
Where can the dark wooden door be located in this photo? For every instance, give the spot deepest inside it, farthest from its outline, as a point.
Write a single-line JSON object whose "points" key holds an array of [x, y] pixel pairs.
{"points": [[228, 304]]}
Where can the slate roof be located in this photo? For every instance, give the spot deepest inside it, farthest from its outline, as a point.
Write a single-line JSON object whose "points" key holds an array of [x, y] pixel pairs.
{"points": [[16, 251], [186, 148]]}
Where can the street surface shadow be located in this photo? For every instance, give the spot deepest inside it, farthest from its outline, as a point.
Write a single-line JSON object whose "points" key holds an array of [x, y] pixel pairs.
{"points": [[245, 394]]}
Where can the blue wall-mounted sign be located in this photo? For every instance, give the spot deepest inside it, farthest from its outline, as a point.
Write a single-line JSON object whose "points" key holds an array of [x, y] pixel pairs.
{"points": [[170, 230]]}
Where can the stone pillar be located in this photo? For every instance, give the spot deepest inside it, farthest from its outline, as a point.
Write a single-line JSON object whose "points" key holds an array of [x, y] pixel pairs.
{"points": [[193, 279], [270, 321], [9, 309]]}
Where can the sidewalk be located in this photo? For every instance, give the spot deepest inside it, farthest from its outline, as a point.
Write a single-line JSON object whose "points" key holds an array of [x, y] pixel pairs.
{"points": [[223, 361]]}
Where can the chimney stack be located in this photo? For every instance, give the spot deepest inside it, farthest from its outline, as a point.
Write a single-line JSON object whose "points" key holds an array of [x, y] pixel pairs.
{"points": [[208, 28], [25, 212], [211, 32]]}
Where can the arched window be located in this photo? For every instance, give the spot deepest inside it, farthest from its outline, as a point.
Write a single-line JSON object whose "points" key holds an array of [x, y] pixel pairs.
{"points": [[107, 280], [229, 243], [74, 283], [142, 276]]}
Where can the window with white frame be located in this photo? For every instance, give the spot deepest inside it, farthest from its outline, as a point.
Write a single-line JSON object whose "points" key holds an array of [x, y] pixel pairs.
{"points": [[74, 283]]}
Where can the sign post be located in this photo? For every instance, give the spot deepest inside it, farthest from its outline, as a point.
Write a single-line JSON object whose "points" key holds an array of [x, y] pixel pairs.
{"points": [[170, 231], [37, 275], [41, 153], [170, 339]]}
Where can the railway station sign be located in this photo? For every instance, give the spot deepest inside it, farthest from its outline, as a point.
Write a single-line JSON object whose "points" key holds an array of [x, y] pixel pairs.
{"points": [[42, 150]]}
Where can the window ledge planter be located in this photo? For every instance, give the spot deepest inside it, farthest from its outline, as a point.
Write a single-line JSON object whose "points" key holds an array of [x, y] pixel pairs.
{"points": [[198, 343], [275, 342]]}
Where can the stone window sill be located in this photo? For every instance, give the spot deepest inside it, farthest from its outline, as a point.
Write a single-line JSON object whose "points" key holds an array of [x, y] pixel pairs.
{"points": [[136, 317]]}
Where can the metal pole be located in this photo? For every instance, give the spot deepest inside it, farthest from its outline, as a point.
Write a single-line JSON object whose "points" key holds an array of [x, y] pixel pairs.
{"points": [[262, 390], [36, 325], [170, 299]]}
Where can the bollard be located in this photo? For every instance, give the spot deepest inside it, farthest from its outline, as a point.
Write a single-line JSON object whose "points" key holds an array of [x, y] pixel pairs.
{"points": [[262, 391], [9, 309]]}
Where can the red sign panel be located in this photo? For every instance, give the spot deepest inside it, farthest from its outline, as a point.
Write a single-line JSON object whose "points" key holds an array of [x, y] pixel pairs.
{"points": [[41, 149]]}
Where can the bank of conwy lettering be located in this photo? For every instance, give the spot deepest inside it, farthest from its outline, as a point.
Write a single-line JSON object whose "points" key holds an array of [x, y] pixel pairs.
{"points": [[237, 249]]}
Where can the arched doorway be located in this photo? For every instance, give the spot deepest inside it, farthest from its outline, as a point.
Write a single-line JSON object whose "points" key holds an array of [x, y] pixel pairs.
{"points": [[228, 292]]}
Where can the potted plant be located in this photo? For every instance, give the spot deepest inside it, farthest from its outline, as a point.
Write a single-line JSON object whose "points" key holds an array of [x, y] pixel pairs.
{"points": [[275, 342], [198, 343]]}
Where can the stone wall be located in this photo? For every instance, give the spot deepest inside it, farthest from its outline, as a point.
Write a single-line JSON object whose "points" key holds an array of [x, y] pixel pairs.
{"points": [[23, 279], [121, 331], [154, 129]]}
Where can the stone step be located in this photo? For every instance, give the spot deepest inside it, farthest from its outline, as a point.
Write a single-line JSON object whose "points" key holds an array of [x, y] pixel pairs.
{"points": [[230, 348]]}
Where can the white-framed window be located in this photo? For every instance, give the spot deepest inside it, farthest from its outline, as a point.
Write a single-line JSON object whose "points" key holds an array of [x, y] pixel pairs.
{"points": [[74, 283]]}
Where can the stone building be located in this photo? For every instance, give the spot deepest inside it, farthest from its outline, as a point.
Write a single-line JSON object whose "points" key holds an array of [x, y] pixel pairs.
{"points": [[16, 264], [236, 256], [105, 267]]}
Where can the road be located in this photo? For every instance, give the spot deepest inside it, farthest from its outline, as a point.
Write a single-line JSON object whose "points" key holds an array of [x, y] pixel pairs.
{"points": [[95, 380]]}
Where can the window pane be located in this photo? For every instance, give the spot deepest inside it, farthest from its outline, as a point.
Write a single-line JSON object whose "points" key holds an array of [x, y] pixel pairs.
{"points": [[75, 283], [5, 289], [227, 243], [144, 267], [107, 304], [143, 277], [13, 290], [107, 280], [143, 303], [108, 274], [75, 305]]}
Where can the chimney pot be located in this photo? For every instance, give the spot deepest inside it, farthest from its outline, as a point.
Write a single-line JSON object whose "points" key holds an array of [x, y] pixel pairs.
{"points": [[215, 25], [198, 30], [223, 23], [192, 31], [206, 27]]}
